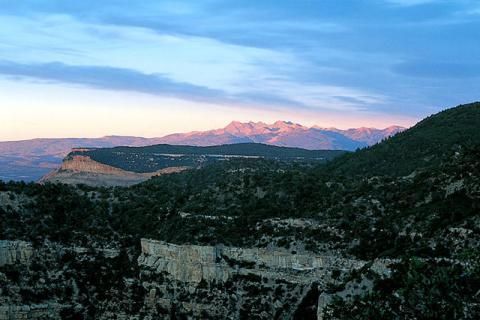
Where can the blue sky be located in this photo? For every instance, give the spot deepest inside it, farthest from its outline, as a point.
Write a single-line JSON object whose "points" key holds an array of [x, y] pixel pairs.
{"points": [[85, 68]]}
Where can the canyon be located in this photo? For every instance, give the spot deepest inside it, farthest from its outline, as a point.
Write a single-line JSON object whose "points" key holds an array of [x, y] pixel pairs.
{"points": [[194, 282]]}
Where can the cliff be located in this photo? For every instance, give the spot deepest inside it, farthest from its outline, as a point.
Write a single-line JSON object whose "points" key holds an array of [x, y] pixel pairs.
{"points": [[80, 169], [15, 252], [188, 281], [190, 263], [219, 282]]}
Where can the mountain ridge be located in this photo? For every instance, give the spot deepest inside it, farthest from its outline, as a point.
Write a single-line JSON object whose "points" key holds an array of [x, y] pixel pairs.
{"points": [[31, 159], [285, 133], [438, 137]]}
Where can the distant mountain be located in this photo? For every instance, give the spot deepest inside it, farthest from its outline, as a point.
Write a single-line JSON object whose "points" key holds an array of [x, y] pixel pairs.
{"points": [[31, 159], [285, 133], [124, 166]]}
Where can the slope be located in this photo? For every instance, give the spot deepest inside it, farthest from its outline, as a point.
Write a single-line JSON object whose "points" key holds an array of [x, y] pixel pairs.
{"points": [[425, 145]]}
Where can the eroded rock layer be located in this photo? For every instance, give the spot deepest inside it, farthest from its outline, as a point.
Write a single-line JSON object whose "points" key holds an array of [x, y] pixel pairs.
{"points": [[80, 169], [163, 280], [232, 283]]}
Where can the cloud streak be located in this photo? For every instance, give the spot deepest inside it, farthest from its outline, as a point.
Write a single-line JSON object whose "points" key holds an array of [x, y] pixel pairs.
{"points": [[120, 79], [111, 79]]}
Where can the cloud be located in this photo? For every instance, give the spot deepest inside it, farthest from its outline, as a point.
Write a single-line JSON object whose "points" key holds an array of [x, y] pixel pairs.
{"points": [[199, 60], [272, 94], [111, 79], [121, 79]]}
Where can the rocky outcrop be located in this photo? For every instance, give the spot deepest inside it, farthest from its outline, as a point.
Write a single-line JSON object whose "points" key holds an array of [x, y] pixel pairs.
{"points": [[354, 287], [190, 263], [86, 164], [15, 252], [185, 281], [80, 169], [239, 281]]}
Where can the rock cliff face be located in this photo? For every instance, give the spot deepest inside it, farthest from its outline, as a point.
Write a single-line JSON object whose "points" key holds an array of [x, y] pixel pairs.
{"points": [[194, 264], [80, 169], [233, 283], [49, 281], [15, 252]]}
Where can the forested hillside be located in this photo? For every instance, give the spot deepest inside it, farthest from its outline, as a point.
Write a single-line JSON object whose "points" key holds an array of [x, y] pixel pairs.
{"points": [[426, 145]]}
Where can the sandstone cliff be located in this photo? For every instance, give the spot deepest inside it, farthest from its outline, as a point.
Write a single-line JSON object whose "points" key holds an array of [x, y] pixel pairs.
{"points": [[231, 283], [15, 252], [79, 169]]}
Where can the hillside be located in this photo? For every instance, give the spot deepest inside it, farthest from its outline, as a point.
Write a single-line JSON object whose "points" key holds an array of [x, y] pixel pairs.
{"points": [[427, 144]]}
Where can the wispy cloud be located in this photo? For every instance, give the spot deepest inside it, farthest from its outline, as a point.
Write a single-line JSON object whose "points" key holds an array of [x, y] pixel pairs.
{"points": [[201, 61], [121, 79], [110, 78]]}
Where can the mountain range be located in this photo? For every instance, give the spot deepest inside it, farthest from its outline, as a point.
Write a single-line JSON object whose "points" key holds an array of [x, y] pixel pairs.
{"points": [[286, 134], [31, 159]]}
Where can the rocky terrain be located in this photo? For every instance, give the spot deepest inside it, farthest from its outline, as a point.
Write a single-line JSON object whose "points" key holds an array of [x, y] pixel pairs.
{"points": [[359, 237], [196, 282]]}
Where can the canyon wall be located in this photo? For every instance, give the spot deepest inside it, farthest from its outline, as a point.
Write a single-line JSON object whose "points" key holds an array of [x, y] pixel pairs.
{"points": [[164, 280]]}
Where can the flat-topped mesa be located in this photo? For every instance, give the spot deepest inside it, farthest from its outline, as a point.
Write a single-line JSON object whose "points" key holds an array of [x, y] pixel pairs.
{"points": [[86, 164], [192, 263], [81, 168]]}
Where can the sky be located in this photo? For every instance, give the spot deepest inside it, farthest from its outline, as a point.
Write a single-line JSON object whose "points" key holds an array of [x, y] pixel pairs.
{"points": [[148, 68]]}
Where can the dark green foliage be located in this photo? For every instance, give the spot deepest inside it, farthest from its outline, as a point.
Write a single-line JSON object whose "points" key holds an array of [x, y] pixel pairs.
{"points": [[426, 145], [153, 158], [307, 310], [419, 289]]}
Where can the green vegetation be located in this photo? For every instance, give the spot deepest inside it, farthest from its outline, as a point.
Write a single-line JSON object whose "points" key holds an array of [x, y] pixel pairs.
{"points": [[429, 143], [425, 290], [153, 158]]}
